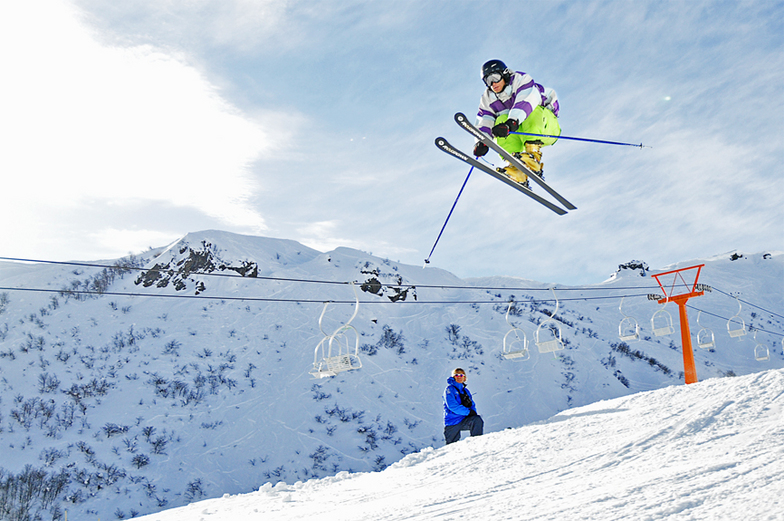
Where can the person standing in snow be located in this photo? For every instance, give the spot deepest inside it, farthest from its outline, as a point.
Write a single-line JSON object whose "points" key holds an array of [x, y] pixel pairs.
{"points": [[460, 409], [513, 102]]}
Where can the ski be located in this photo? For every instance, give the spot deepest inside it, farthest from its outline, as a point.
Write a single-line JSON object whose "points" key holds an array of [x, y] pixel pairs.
{"points": [[444, 145], [462, 120]]}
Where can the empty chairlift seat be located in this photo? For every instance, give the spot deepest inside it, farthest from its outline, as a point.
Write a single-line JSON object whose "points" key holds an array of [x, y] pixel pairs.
{"points": [[335, 354]]}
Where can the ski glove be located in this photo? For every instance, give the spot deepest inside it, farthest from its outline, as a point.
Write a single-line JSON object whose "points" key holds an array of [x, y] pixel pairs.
{"points": [[480, 149], [466, 401], [503, 129]]}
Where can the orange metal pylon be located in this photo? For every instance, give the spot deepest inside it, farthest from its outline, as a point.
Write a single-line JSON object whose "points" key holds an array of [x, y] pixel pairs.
{"points": [[679, 284]]}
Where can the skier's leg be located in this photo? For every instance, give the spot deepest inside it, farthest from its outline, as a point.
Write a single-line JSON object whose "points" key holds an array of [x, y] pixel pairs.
{"points": [[540, 121], [512, 144], [477, 426], [452, 433]]}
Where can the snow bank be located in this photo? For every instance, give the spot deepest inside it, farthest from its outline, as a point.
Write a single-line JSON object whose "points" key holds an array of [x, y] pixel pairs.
{"points": [[711, 450]]}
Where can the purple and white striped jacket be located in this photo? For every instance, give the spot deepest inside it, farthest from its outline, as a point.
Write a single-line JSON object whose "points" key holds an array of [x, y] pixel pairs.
{"points": [[518, 99]]}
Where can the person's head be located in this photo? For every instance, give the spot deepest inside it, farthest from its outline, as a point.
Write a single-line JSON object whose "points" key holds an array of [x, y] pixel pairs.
{"points": [[459, 375], [496, 75]]}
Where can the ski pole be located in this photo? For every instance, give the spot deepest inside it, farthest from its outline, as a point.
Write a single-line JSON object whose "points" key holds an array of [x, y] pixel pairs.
{"points": [[427, 261], [583, 139]]}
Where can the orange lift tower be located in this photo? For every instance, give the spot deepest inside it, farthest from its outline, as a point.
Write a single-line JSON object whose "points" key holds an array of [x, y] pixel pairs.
{"points": [[679, 287]]}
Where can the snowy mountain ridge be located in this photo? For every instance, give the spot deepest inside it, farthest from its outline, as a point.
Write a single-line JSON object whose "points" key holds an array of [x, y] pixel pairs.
{"points": [[182, 374]]}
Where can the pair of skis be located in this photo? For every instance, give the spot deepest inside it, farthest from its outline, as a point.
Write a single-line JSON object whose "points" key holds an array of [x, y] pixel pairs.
{"points": [[462, 120]]}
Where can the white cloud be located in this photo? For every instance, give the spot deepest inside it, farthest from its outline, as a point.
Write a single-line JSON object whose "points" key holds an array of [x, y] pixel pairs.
{"points": [[82, 121]]}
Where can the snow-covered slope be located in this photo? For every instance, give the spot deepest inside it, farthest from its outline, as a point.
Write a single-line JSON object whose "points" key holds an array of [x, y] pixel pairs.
{"points": [[711, 450], [187, 375]]}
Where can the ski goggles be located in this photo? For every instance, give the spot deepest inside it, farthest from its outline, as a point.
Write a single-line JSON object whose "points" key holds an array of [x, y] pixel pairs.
{"points": [[493, 78]]}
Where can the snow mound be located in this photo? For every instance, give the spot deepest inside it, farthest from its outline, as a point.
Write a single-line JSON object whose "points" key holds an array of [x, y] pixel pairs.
{"points": [[710, 450]]}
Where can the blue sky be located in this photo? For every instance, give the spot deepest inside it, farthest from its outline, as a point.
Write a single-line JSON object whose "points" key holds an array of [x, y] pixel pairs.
{"points": [[126, 125]]}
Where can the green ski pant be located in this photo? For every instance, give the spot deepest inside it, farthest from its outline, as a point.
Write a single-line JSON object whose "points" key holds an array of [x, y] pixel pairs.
{"points": [[540, 121]]}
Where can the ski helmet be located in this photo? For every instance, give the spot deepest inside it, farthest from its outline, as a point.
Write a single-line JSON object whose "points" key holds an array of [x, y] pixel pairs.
{"points": [[496, 66]]}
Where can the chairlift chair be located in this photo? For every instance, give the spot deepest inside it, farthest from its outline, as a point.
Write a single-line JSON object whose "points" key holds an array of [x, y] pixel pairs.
{"points": [[761, 351], [337, 356], [554, 342], [333, 354], [661, 322], [736, 326], [516, 348], [629, 328], [705, 339]]}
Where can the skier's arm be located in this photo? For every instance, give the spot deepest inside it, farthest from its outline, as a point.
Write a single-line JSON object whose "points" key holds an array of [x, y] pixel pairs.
{"points": [[527, 96], [550, 101], [453, 402], [485, 117]]}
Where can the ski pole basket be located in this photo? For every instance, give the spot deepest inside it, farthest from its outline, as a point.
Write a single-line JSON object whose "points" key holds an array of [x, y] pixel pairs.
{"points": [[515, 348], [334, 353], [629, 328], [548, 335]]}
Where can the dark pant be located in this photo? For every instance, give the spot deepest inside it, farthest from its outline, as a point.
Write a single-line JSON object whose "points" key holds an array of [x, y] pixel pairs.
{"points": [[474, 424]]}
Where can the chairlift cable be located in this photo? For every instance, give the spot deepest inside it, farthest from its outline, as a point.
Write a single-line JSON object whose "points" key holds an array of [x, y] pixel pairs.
{"points": [[295, 300], [749, 303], [322, 301], [726, 318], [330, 282]]}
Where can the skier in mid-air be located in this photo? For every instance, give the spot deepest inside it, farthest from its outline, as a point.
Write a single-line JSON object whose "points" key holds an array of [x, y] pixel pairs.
{"points": [[513, 102]]}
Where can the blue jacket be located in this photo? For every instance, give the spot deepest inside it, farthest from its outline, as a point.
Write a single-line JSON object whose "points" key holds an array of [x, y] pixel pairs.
{"points": [[454, 410]]}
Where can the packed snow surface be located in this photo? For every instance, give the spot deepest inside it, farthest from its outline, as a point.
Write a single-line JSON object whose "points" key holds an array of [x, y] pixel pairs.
{"points": [[711, 450]]}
